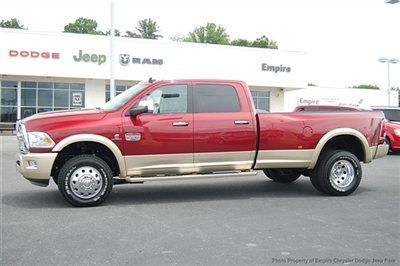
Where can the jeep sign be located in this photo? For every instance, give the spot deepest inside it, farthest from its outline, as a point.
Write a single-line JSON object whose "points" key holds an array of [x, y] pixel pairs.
{"points": [[94, 58]]}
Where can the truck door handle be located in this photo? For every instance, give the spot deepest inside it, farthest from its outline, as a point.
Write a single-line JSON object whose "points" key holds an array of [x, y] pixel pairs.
{"points": [[180, 124], [241, 122]]}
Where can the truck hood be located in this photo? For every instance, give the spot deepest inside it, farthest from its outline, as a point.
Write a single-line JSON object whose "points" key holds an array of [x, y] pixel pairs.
{"points": [[42, 121]]}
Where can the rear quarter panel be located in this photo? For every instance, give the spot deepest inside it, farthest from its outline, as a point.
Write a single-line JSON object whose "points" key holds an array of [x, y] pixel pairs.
{"points": [[292, 131]]}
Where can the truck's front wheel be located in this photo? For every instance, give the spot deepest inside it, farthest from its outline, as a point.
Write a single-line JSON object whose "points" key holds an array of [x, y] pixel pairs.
{"points": [[282, 175], [337, 173], [85, 181]]}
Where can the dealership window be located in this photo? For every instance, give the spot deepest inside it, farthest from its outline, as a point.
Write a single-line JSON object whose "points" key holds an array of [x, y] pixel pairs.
{"points": [[37, 97], [118, 90], [8, 104], [261, 100]]}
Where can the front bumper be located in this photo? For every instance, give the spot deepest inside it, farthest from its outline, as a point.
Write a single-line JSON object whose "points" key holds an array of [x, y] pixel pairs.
{"points": [[381, 151], [38, 173]]}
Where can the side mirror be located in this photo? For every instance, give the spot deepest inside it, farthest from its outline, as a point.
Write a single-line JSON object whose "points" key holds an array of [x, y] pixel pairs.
{"points": [[135, 111]]}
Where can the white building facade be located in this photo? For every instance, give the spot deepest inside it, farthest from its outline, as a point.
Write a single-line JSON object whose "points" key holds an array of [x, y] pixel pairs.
{"points": [[54, 71]]}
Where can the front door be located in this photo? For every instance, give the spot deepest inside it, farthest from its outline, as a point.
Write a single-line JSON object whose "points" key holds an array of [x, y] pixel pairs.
{"points": [[160, 141]]}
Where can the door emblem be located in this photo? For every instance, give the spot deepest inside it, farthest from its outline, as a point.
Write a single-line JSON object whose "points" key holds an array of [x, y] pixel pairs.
{"points": [[132, 136]]}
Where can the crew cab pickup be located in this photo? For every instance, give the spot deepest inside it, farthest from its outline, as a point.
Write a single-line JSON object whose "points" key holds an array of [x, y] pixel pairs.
{"points": [[186, 129]]}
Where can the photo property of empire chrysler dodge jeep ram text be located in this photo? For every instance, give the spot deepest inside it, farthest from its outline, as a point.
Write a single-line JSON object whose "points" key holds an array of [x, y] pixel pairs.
{"points": [[186, 129]]}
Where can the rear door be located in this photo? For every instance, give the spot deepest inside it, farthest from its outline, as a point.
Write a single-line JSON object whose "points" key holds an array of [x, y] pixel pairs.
{"points": [[224, 127]]}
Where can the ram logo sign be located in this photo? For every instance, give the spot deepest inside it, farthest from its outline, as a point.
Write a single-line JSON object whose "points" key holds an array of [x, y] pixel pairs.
{"points": [[125, 59]]}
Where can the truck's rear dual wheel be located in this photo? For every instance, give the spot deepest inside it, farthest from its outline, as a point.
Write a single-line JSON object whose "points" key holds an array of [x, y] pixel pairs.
{"points": [[282, 175], [337, 173], [85, 180]]}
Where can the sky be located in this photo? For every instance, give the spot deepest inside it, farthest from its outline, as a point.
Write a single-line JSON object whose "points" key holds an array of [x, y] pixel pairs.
{"points": [[343, 39]]}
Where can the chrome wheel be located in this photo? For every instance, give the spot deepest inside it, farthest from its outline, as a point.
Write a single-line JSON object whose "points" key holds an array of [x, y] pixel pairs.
{"points": [[86, 182], [342, 175]]}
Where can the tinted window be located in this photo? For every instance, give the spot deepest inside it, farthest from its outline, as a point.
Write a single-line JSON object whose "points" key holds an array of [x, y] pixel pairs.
{"points": [[391, 115], [171, 99], [9, 84], [28, 97], [8, 114], [61, 98], [215, 98], [45, 98], [77, 86], [8, 96]]}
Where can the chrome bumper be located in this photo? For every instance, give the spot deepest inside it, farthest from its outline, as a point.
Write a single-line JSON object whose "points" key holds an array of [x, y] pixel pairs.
{"points": [[38, 172], [381, 151]]}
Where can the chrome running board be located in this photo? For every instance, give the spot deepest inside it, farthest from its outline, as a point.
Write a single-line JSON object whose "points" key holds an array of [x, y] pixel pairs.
{"points": [[192, 176]]}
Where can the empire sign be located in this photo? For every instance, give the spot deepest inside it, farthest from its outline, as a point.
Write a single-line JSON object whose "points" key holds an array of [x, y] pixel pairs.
{"points": [[275, 68]]}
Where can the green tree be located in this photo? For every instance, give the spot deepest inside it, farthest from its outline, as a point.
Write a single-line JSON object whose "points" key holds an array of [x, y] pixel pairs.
{"points": [[264, 42], [311, 84], [83, 26], [130, 34], [148, 29], [241, 42], [366, 86], [11, 24], [211, 33]]}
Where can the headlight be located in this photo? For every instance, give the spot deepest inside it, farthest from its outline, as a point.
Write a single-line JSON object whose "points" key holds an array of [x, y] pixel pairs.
{"points": [[22, 137], [397, 132], [40, 140]]}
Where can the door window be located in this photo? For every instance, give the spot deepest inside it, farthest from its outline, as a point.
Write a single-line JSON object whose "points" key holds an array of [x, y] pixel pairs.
{"points": [[215, 98], [171, 99]]}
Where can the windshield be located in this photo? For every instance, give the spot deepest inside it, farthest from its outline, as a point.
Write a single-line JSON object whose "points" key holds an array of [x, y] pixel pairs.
{"points": [[124, 97], [391, 115]]}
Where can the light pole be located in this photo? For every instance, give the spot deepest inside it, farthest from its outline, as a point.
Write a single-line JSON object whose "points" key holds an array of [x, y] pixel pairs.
{"points": [[388, 61], [112, 52]]}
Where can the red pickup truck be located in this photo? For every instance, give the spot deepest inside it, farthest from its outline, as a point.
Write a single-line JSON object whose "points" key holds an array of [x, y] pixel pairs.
{"points": [[185, 129]]}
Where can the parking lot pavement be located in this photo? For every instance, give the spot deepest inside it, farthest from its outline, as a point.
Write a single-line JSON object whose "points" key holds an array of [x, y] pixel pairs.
{"points": [[237, 221]]}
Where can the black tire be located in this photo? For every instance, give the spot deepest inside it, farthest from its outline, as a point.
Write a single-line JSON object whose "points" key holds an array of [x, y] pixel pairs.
{"points": [[101, 177], [282, 175], [324, 182], [387, 140]]}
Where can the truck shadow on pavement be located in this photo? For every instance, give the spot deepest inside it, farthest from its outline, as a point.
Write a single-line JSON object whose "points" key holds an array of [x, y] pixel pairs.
{"points": [[186, 191]]}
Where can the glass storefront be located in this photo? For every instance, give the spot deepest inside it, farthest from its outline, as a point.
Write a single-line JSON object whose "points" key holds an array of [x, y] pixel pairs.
{"points": [[8, 104], [118, 90], [261, 99], [37, 97]]}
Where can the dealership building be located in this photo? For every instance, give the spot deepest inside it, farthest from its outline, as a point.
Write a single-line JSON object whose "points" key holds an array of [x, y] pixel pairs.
{"points": [[42, 72]]}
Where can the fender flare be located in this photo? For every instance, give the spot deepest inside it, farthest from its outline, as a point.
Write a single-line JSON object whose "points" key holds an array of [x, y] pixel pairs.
{"points": [[94, 138], [338, 132]]}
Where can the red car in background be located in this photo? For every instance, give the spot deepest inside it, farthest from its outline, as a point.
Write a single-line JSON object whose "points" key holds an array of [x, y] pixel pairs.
{"points": [[392, 115]]}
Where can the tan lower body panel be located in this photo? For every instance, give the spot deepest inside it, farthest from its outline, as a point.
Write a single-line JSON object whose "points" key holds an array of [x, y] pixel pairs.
{"points": [[185, 163], [283, 159], [181, 163], [223, 161]]}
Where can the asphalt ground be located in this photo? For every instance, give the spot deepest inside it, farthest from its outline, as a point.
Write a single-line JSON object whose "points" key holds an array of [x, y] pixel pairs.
{"points": [[230, 221]]}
